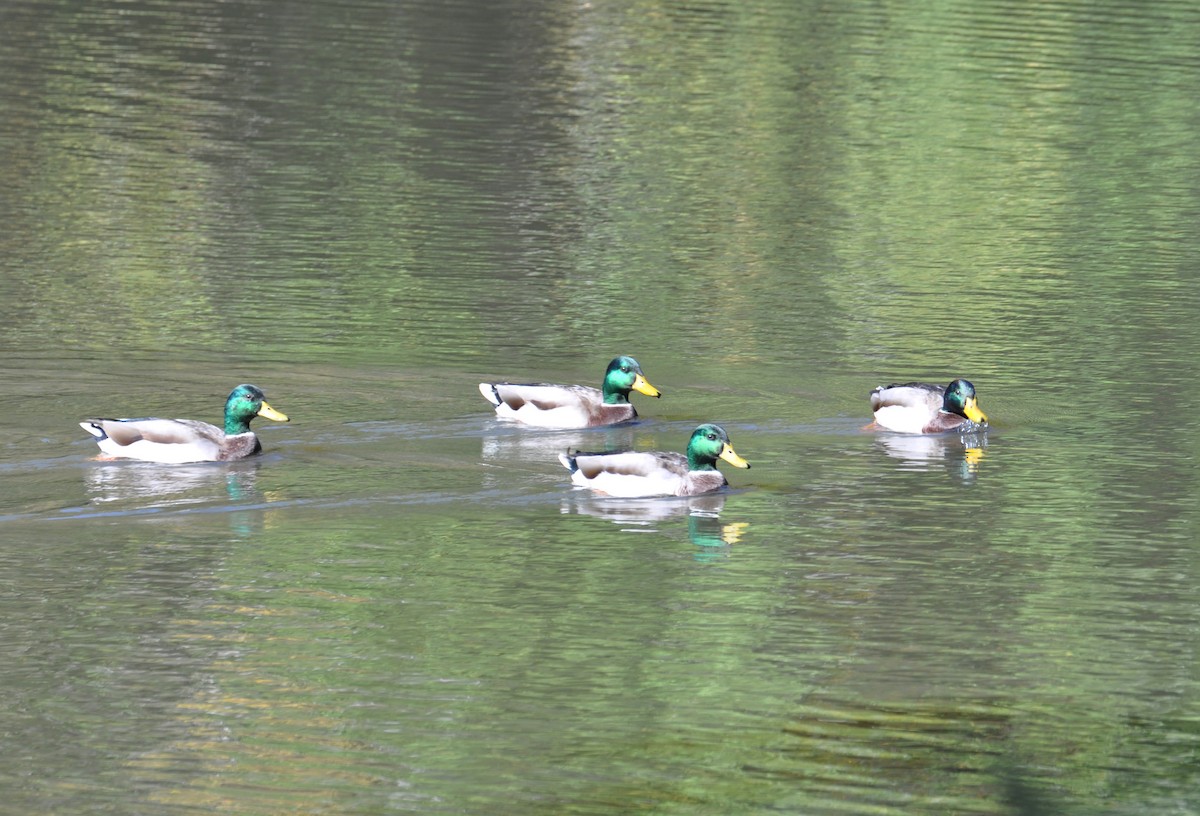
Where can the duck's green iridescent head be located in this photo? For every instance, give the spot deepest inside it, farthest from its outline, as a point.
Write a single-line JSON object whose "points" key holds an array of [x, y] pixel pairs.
{"points": [[960, 399], [244, 404], [708, 444], [625, 375]]}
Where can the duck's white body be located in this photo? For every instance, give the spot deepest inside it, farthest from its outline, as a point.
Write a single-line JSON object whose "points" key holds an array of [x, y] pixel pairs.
{"points": [[169, 441], [182, 441], [637, 474], [547, 405], [633, 474], [920, 408], [561, 407]]}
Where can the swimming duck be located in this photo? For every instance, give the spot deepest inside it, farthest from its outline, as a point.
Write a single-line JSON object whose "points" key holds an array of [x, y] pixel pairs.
{"points": [[176, 441], [926, 408], [630, 474], [572, 406]]}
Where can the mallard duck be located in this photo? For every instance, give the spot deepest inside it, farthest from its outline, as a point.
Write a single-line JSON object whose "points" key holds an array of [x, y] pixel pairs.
{"points": [[572, 406], [631, 474], [176, 441], [925, 408]]}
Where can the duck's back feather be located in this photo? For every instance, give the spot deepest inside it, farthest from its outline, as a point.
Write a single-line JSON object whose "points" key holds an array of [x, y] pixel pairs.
{"points": [[162, 431], [543, 396], [910, 395], [625, 463]]}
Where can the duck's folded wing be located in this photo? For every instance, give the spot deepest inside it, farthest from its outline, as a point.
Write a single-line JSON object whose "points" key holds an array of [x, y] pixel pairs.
{"points": [[158, 431], [543, 396], [907, 395], [630, 463]]}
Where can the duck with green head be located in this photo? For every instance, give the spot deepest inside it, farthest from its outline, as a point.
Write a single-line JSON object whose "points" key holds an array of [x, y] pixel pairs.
{"points": [[177, 441], [632, 474], [545, 405], [927, 409]]}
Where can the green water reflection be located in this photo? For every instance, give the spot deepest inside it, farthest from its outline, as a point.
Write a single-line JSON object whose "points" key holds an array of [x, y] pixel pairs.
{"points": [[403, 606]]}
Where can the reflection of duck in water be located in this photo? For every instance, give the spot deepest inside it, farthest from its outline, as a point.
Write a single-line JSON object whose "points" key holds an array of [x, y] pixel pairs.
{"points": [[508, 450], [705, 528], [174, 485], [180, 441], [923, 408], [572, 406], [656, 473], [646, 510], [709, 531], [924, 452], [509, 444]]}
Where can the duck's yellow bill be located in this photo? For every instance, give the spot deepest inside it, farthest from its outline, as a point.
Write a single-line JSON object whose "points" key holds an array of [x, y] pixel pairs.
{"points": [[642, 386], [730, 456], [270, 413], [971, 409]]}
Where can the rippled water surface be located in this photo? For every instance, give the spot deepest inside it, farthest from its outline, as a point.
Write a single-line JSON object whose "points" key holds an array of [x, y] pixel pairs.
{"points": [[402, 606]]}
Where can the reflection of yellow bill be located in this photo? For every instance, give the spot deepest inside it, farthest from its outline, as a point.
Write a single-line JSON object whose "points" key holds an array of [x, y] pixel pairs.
{"points": [[643, 386], [730, 456], [732, 533], [270, 413], [973, 457]]}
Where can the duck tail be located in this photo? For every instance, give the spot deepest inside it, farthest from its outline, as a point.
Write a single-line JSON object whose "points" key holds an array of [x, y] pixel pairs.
{"points": [[490, 393], [95, 427]]}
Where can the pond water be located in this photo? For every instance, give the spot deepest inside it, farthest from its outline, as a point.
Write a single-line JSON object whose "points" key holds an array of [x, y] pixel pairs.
{"points": [[403, 606]]}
